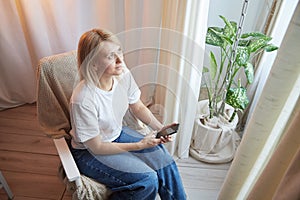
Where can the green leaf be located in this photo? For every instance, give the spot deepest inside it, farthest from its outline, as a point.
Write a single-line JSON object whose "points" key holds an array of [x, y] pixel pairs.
{"points": [[249, 72], [205, 70], [227, 39], [213, 65], [229, 29], [213, 38], [244, 43], [270, 47], [217, 30], [242, 56], [253, 34], [237, 98], [258, 44], [220, 33]]}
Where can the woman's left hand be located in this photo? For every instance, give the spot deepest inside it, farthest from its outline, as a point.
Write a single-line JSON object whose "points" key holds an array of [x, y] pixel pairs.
{"points": [[165, 139]]}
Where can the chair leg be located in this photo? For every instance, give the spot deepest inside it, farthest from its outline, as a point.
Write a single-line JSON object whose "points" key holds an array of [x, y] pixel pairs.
{"points": [[6, 187]]}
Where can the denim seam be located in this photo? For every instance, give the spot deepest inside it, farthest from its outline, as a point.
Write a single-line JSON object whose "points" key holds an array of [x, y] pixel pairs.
{"points": [[131, 192], [107, 174], [170, 193]]}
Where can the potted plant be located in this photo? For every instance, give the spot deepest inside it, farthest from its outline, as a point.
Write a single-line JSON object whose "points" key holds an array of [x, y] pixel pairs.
{"points": [[226, 89]]}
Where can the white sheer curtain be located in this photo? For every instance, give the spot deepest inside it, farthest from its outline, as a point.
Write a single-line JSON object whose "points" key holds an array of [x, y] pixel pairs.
{"points": [[163, 45], [32, 29], [180, 66]]}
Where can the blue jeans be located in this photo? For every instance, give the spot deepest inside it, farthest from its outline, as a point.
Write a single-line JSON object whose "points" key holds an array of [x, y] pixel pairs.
{"points": [[136, 175]]}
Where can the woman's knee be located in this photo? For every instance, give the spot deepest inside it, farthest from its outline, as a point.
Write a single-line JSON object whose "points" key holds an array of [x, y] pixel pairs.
{"points": [[147, 185], [152, 181]]}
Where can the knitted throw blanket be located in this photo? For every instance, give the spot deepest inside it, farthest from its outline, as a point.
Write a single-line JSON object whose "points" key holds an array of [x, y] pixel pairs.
{"points": [[56, 79]]}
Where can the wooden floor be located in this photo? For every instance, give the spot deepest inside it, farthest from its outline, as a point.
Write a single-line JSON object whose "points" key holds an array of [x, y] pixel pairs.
{"points": [[29, 162]]}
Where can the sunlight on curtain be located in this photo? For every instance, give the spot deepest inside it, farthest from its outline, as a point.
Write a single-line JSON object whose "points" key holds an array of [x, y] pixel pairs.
{"points": [[163, 43], [30, 31], [184, 26], [14, 57], [270, 118]]}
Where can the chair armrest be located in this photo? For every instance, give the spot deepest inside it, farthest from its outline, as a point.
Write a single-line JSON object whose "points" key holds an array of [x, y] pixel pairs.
{"points": [[67, 160]]}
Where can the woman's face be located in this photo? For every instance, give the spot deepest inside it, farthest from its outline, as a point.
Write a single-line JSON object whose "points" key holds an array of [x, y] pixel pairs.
{"points": [[110, 59]]}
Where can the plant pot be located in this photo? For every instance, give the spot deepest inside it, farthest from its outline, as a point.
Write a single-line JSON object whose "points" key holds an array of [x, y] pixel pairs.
{"points": [[216, 143]]}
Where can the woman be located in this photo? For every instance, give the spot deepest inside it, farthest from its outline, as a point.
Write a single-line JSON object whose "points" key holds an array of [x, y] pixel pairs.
{"points": [[132, 166]]}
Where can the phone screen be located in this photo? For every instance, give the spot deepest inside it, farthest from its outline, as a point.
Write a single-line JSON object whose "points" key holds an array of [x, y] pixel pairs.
{"points": [[168, 130]]}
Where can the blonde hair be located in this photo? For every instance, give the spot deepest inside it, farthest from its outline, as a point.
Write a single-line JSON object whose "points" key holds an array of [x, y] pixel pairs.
{"points": [[88, 48]]}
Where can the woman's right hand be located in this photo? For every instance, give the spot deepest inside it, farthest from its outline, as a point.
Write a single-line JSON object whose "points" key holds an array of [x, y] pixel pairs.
{"points": [[149, 141]]}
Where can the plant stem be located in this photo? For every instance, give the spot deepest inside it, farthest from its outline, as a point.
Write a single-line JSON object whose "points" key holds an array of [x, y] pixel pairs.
{"points": [[233, 115], [232, 77], [219, 89], [209, 99]]}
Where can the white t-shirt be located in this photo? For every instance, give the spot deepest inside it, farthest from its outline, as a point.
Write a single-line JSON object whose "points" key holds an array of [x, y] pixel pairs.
{"points": [[94, 111]]}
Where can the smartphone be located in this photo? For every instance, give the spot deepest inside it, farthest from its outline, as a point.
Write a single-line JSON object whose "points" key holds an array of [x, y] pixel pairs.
{"points": [[168, 130]]}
